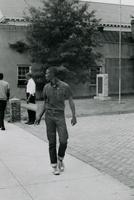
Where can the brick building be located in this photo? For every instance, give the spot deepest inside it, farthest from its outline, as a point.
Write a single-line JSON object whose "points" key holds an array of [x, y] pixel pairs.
{"points": [[15, 65]]}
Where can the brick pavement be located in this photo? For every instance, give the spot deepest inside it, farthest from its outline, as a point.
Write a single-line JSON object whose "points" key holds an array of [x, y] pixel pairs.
{"points": [[106, 142]]}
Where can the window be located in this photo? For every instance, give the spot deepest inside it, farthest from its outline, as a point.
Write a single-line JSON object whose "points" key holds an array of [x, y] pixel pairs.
{"points": [[22, 70]]}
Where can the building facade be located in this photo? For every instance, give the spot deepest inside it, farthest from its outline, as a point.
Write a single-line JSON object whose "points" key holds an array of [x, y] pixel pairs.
{"points": [[15, 65]]}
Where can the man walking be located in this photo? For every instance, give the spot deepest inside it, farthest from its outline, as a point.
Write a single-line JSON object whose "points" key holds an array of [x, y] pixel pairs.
{"points": [[4, 96], [30, 92], [55, 93]]}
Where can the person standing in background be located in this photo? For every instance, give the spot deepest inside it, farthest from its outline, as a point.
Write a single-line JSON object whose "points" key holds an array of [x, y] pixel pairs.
{"points": [[30, 93], [4, 97]]}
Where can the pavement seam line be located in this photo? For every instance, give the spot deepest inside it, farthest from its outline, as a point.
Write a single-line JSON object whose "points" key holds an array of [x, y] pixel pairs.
{"points": [[18, 181]]}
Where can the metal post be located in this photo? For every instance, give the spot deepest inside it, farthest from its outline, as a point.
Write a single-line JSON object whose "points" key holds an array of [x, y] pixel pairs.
{"points": [[120, 53]]}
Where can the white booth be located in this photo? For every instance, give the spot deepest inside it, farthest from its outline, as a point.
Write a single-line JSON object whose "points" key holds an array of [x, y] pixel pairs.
{"points": [[102, 87]]}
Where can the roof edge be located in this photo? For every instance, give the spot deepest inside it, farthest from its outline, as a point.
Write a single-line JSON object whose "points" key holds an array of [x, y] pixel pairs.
{"points": [[96, 2]]}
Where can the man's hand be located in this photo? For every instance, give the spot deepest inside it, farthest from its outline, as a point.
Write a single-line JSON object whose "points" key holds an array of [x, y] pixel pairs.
{"points": [[37, 121], [73, 120], [28, 101], [72, 106]]}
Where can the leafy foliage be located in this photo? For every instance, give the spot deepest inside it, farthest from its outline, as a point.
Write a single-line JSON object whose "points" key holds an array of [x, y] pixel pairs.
{"points": [[19, 46], [64, 33]]}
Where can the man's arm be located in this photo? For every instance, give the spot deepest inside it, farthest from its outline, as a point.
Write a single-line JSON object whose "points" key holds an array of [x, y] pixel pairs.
{"points": [[28, 98], [43, 109], [8, 94], [72, 107]]}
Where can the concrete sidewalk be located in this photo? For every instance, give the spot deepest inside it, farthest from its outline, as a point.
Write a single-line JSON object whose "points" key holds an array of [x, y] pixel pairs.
{"points": [[25, 173]]}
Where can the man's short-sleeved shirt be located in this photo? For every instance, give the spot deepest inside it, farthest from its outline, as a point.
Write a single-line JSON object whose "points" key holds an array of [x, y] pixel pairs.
{"points": [[55, 96], [31, 87], [4, 88]]}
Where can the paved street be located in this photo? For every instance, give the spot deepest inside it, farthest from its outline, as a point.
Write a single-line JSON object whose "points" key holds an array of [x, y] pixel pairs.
{"points": [[106, 142]]}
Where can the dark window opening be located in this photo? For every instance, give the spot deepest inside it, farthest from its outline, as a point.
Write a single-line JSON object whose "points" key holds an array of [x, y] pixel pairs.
{"points": [[22, 70]]}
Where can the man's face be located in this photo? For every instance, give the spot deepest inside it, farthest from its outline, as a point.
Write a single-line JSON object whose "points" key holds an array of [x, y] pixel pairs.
{"points": [[26, 77], [49, 75]]}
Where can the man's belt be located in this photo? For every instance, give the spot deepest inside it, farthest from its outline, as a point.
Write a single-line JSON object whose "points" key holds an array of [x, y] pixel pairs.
{"points": [[54, 110]]}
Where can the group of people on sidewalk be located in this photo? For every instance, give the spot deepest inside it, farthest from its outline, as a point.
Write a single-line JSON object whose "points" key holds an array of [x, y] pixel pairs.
{"points": [[55, 93]]}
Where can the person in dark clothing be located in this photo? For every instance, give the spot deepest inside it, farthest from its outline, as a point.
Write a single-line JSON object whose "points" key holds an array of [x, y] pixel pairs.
{"points": [[55, 93], [30, 94], [4, 97]]}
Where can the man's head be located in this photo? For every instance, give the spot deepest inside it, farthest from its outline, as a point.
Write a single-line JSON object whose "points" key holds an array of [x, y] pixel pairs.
{"points": [[51, 73], [28, 75], [1, 76]]}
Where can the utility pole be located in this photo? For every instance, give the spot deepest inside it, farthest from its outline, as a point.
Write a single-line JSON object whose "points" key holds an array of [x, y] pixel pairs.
{"points": [[120, 53]]}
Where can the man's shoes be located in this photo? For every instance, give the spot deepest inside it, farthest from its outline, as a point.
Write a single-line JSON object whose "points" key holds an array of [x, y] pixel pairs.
{"points": [[61, 165], [30, 123], [3, 128], [56, 170], [27, 122]]}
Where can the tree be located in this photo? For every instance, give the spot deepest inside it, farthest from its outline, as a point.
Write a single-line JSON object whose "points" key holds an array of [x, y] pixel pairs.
{"points": [[64, 33]]}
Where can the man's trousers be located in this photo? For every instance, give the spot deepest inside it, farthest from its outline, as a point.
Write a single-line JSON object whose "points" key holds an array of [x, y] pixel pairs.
{"points": [[2, 112], [55, 121], [31, 113]]}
